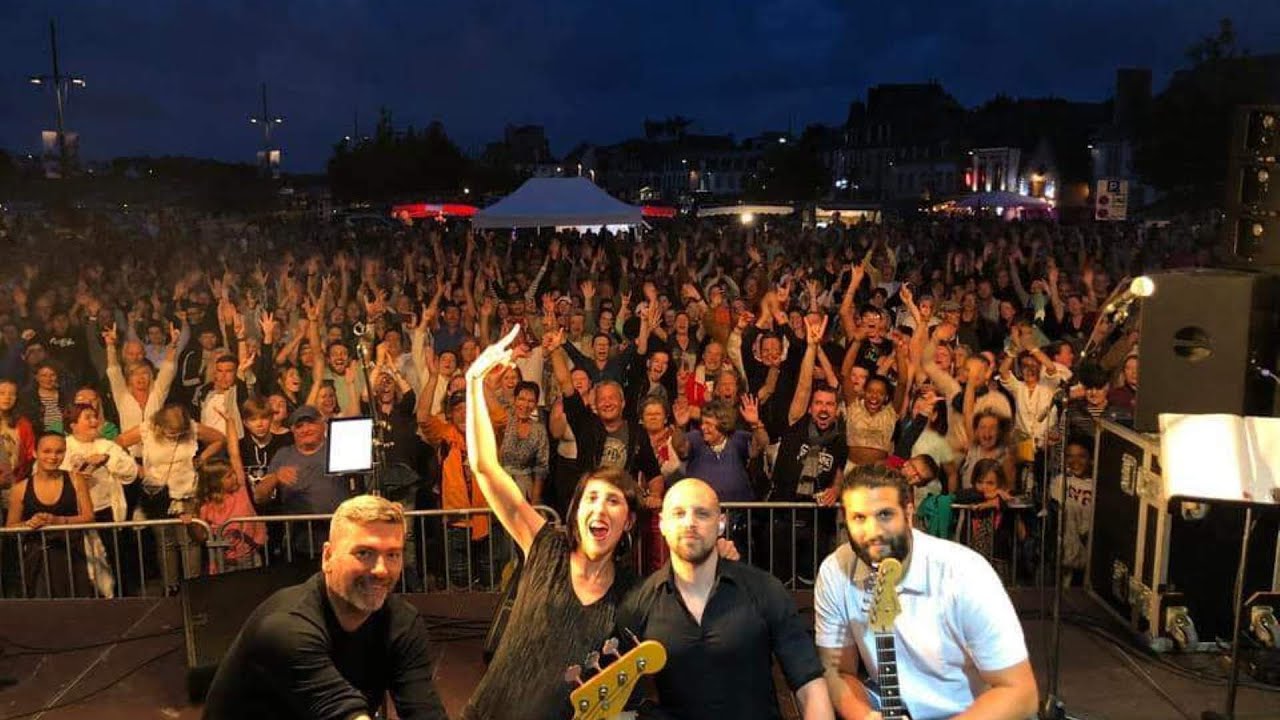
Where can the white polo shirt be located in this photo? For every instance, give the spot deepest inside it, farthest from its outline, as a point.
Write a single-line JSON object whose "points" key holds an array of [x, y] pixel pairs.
{"points": [[956, 620]]}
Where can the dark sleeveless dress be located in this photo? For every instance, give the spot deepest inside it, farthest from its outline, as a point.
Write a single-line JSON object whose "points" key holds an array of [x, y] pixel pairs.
{"points": [[54, 562]]}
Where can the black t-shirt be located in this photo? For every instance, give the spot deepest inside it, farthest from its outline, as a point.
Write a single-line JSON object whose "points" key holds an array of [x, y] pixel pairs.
{"points": [[871, 352], [293, 660], [808, 460], [723, 666], [548, 631], [257, 457]]}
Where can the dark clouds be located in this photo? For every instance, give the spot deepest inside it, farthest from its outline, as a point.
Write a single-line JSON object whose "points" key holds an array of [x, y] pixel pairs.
{"points": [[181, 77]]}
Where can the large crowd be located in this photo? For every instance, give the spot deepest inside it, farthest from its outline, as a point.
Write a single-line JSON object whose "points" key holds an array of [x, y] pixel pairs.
{"points": [[166, 365]]}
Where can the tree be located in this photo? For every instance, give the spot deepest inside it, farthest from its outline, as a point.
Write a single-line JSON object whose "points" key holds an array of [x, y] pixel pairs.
{"points": [[791, 172], [8, 169], [1183, 147], [392, 163]]}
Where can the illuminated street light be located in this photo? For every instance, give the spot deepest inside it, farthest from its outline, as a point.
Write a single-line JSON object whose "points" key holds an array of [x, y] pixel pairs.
{"points": [[267, 121], [61, 85]]}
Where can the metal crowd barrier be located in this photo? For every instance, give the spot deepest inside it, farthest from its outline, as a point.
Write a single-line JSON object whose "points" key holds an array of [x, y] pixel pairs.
{"points": [[144, 557], [964, 535], [787, 539], [100, 560], [439, 551]]}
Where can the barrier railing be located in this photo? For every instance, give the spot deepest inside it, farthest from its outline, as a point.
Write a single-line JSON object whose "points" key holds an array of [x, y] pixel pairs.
{"points": [[99, 560], [1006, 566], [787, 539], [441, 551], [147, 557]]}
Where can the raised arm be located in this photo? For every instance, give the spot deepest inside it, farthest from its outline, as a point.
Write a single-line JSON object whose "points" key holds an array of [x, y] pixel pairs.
{"points": [[1055, 298], [504, 496], [804, 383], [848, 323]]}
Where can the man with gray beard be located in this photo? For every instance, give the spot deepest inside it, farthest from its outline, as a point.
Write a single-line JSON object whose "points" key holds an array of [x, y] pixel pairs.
{"points": [[334, 646]]}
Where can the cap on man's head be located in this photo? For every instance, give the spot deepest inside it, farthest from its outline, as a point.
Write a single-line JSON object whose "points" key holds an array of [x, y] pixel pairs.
{"points": [[304, 413], [949, 306], [34, 342], [455, 398]]}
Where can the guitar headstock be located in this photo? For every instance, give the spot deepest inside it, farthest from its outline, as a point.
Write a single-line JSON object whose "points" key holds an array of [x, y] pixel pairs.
{"points": [[606, 693], [884, 596]]}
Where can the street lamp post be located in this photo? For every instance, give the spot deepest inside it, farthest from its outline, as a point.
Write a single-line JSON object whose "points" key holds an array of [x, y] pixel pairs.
{"points": [[61, 85], [267, 121]]}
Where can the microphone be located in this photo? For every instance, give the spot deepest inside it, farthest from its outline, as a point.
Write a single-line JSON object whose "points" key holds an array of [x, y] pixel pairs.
{"points": [[1120, 304]]}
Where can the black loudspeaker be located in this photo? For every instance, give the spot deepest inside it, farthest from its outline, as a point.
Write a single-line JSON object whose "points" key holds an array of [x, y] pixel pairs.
{"points": [[1253, 185], [1204, 335], [215, 606]]}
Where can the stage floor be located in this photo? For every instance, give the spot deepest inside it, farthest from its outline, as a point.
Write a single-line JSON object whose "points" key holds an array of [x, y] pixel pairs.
{"points": [[146, 678]]}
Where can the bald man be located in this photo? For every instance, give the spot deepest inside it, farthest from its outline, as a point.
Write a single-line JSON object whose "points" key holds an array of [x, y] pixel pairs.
{"points": [[721, 621]]}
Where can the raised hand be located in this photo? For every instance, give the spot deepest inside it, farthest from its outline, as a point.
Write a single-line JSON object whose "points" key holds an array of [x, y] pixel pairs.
{"points": [[110, 336], [267, 322], [496, 355], [588, 289], [553, 339], [175, 334], [816, 330], [681, 412], [750, 409]]}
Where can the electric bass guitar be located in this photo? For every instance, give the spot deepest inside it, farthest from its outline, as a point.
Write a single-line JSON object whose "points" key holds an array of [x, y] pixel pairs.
{"points": [[604, 695], [882, 610]]}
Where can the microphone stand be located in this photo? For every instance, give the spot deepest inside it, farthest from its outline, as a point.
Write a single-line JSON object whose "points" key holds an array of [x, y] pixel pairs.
{"points": [[1054, 708], [365, 335]]}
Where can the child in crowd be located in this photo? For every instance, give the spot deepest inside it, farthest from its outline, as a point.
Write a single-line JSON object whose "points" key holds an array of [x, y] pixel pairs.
{"points": [[991, 526], [220, 496]]}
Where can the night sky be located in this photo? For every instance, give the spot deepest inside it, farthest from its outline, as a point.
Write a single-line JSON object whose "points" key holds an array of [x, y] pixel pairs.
{"points": [[182, 77]]}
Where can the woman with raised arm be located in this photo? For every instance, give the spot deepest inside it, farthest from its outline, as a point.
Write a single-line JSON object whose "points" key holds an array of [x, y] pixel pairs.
{"points": [[570, 587]]}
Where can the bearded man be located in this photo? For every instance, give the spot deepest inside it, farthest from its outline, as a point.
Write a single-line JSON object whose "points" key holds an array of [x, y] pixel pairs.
{"points": [[722, 623], [959, 647]]}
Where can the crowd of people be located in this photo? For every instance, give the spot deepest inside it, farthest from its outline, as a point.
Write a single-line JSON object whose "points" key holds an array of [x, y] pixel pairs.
{"points": [[186, 367]]}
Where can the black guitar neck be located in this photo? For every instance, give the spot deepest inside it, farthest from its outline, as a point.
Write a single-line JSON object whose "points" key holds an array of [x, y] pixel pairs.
{"points": [[891, 707]]}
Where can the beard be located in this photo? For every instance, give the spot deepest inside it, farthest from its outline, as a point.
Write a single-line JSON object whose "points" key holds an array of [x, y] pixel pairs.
{"points": [[898, 547], [365, 594], [694, 551]]}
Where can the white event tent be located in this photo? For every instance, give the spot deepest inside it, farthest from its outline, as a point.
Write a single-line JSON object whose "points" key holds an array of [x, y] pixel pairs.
{"points": [[557, 202]]}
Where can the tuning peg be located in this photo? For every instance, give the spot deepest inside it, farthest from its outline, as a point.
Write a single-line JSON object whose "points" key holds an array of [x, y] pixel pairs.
{"points": [[593, 661], [573, 675], [610, 647]]}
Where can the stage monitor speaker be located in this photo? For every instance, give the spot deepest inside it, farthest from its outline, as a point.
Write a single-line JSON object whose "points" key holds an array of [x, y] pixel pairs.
{"points": [[215, 606], [1253, 186], [1255, 132], [1255, 239], [1204, 334]]}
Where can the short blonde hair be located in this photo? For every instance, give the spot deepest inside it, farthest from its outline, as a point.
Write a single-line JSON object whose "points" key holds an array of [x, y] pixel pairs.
{"points": [[365, 510]]}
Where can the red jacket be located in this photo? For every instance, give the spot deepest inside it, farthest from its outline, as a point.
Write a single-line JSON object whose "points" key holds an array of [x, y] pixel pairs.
{"points": [[26, 448]]}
